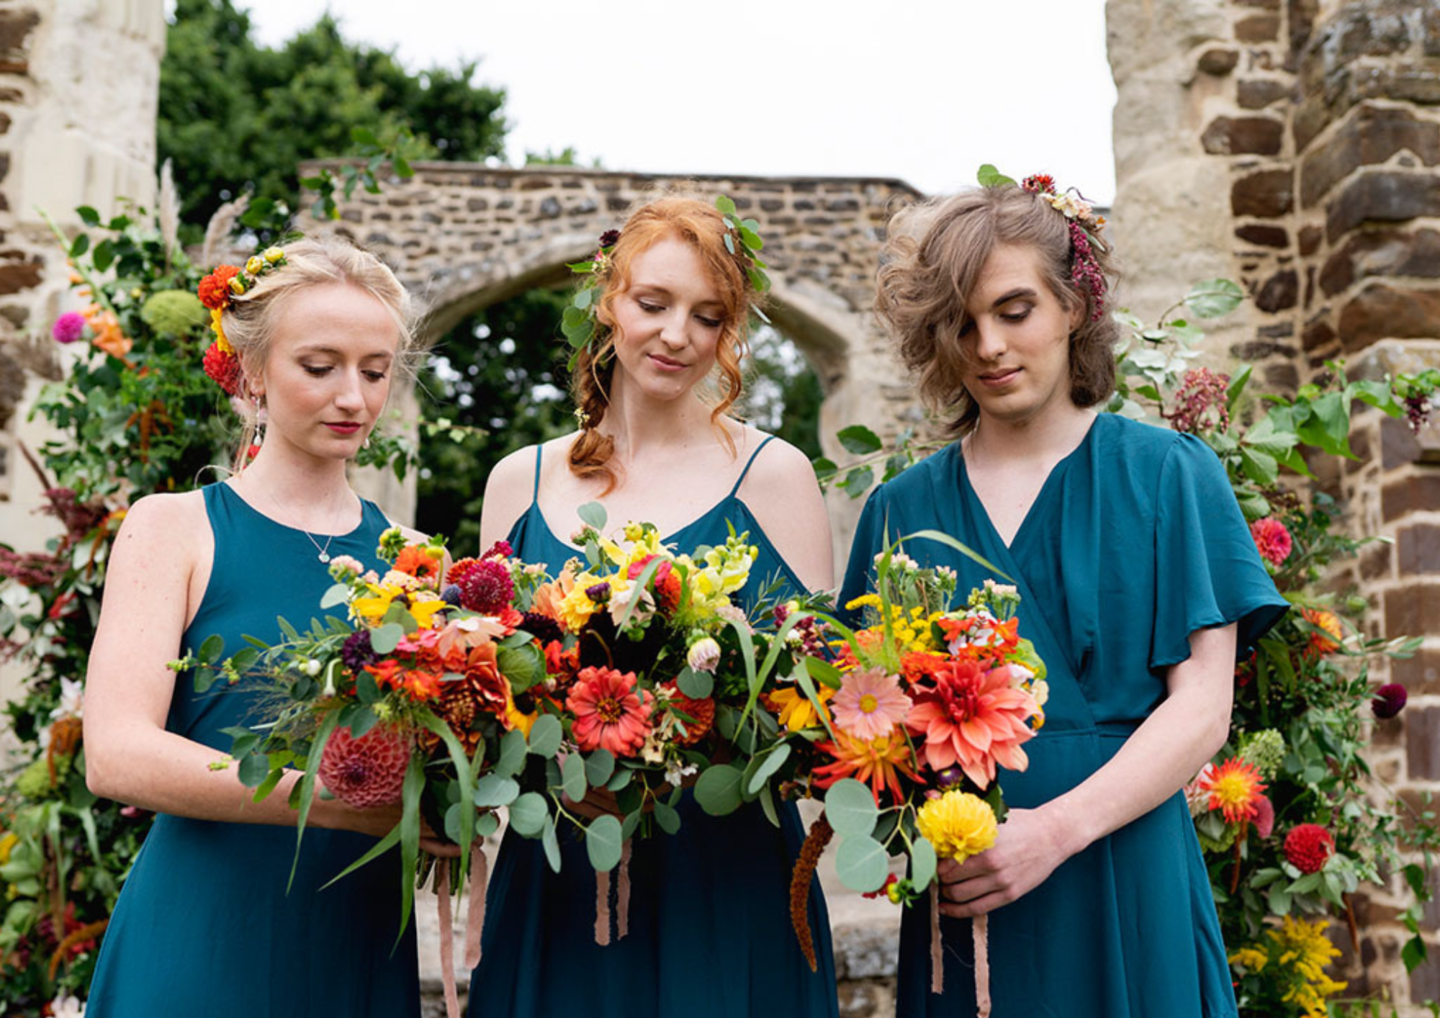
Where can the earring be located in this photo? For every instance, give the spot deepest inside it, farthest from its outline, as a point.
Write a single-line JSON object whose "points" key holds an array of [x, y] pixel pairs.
{"points": [[262, 417]]}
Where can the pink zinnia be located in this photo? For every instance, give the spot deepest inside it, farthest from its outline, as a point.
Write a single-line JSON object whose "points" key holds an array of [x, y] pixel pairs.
{"points": [[1272, 539], [973, 718], [68, 327], [610, 713], [869, 704]]}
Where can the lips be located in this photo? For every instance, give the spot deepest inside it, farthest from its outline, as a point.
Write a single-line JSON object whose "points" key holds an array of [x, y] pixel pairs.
{"points": [[666, 364], [343, 427], [999, 379]]}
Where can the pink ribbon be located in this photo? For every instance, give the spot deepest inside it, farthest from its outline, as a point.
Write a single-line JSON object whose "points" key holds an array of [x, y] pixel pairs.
{"points": [[981, 930], [474, 922], [602, 907]]}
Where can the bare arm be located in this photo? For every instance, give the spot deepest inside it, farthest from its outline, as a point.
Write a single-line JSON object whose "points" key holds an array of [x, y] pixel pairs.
{"points": [[508, 491], [129, 755], [1165, 752], [782, 492]]}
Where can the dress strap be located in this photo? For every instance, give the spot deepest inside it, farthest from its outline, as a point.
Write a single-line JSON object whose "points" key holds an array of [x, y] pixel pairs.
{"points": [[748, 463], [535, 495]]}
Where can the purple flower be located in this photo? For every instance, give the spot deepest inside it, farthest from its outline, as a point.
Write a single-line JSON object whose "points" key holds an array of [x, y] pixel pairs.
{"points": [[1389, 700], [356, 651], [68, 327], [609, 238]]}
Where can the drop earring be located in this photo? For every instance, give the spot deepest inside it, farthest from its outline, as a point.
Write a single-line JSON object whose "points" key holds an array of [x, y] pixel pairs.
{"points": [[262, 417]]}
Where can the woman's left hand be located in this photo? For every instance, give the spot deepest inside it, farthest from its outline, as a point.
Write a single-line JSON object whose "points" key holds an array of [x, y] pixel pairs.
{"points": [[1028, 848]]}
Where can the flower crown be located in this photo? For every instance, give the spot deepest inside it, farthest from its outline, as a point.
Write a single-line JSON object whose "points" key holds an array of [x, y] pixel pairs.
{"points": [[1083, 223], [579, 323], [216, 292]]}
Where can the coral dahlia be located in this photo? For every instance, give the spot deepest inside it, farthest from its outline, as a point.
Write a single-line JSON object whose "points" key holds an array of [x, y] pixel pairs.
{"points": [[368, 771], [974, 718], [1309, 847], [610, 713]]}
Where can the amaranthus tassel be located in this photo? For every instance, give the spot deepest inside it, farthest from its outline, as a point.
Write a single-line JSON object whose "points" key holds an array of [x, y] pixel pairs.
{"points": [[820, 834]]}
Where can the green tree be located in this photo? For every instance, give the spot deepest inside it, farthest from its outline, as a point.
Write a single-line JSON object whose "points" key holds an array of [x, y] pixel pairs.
{"points": [[235, 115]]}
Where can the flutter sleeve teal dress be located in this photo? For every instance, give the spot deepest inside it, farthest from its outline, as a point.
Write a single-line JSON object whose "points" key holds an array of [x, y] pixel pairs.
{"points": [[709, 922], [204, 925], [1134, 542]]}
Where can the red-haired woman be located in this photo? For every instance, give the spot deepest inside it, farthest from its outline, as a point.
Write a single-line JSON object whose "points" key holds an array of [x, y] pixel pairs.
{"points": [[1138, 579], [709, 931]]}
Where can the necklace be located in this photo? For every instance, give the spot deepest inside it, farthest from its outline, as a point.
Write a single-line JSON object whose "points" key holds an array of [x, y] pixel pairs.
{"points": [[323, 551]]}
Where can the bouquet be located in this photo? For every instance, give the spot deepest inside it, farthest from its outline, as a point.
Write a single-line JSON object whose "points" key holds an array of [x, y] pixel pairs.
{"points": [[407, 699], [909, 721]]}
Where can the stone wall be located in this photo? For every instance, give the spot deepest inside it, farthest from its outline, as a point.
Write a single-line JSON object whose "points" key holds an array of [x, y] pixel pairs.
{"points": [[1293, 145], [79, 83], [465, 236]]}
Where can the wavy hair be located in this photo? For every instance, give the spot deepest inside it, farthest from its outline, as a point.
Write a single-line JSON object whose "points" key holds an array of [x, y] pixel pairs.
{"points": [[250, 319], [703, 228], [931, 264]]}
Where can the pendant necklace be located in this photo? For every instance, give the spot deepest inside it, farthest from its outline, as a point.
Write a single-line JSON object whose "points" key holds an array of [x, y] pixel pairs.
{"points": [[324, 552]]}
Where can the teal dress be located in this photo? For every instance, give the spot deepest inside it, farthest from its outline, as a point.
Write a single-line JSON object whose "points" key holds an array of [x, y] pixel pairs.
{"points": [[1134, 542], [709, 922], [204, 925]]}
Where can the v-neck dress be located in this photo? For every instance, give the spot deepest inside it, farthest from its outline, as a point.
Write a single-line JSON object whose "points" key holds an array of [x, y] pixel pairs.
{"points": [[709, 921], [1134, 542], [205, 924]]}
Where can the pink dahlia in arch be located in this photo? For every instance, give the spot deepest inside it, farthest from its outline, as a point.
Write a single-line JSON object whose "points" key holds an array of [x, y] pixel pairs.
{"points": [[869, 703], [368, 771], [610, 713], [973, 718], [1271, 539]]}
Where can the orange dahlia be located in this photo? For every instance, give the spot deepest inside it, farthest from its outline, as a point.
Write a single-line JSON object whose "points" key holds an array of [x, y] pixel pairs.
{"points": [[1235, 789], [419, 561], [879, 761], [700, 715], [1331, 634], [214, 289]]}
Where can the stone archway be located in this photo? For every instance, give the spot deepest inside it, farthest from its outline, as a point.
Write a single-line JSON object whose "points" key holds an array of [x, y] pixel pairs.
{"points": [[464, 236]]}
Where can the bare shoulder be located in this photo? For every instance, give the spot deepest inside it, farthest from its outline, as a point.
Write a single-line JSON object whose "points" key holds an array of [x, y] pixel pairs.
{"points": [[782, 492], [166, 516], [778, 470]]}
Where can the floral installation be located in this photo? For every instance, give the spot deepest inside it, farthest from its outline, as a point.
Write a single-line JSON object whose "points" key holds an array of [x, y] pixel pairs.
{"points": [[1285, 972], [579, 323], [217, 291]]}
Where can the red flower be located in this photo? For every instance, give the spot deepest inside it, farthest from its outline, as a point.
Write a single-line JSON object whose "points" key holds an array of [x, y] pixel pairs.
{"points": [[214, 289], [879, 761], [1271, 539], [700, 712], [1235, 789], [485, 585], [368, 771], [1309, 847], [224, 368], [417, 561], [1389, 700], [666, 583], [610, 713], [975, 718]]}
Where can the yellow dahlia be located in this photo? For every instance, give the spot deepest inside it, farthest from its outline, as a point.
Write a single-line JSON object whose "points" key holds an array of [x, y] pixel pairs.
{"points": [[957, 824]]}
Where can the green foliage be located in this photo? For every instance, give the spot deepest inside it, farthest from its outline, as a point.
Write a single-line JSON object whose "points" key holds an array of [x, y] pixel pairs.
{"points": [[235, 115]]}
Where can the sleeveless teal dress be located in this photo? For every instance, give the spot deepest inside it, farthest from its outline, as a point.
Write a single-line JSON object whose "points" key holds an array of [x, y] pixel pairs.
{"points": [[709, 930], [204, 925], [1134, 542]]}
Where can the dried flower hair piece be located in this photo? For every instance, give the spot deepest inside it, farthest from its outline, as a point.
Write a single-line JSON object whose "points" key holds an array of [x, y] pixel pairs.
{"points": [[579, 323], [1083, 223], [216, 292]]}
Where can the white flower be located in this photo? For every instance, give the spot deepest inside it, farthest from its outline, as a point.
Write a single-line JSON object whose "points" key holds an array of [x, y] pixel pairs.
{"points": [[1197, 800], [676, 771], [72, 700], [652, 752], [704, 654], [67, 1007], [311, 667]]}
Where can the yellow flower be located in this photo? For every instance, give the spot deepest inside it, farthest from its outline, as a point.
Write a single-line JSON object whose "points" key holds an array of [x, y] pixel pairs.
{"points": [[796, 710], [516, 718], [237, 285], [254, 264], [273, 254], [958, 825], [1251, 958], [373, 608], [424, 605], [576, 607], [7, 845], [220, 338]]}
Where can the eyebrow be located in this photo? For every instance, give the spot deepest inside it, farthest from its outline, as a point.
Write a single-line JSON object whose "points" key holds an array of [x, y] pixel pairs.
{"points": [[658, 289], [1023, 291], [319, 348]]}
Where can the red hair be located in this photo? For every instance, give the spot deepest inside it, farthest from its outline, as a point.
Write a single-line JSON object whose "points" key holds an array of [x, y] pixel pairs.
{"points": [[703, 228]]}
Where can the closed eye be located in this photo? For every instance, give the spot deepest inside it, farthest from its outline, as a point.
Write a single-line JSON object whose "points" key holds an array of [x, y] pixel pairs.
{"points": [[316, 371], [710, 323], [649, 308], [375, 376], [1016, 316]]}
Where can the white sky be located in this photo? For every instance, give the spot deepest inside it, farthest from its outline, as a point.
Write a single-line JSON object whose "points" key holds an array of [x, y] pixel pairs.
{"points": [[923, 90]]}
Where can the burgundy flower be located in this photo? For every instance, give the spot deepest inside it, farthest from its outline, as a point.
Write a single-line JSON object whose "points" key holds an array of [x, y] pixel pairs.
{"points": [[1389, 700]]}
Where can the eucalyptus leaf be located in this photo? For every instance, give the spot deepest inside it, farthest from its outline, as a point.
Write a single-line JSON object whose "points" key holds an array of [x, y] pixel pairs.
{"points": [[599, 767], [859, 440], [572, 772], [850, 808], [528, 813], [718, 790], [492, 791], [1214, 297], [923, 864], [604, 843], [551, 844], [512, 754], [862, 864], [695, 685], [667, 817], [386, 638], [593, 514], [772, 763], [545, 735]]}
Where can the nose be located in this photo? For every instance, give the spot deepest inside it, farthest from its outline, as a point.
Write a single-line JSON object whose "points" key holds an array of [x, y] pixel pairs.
{"points": [[672, 329], [348, 395], [990, 339]]}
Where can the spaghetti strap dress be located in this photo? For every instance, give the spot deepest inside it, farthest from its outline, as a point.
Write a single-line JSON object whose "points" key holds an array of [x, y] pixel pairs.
{"points": [[709, 922], [1134, 542], [204, 925]]}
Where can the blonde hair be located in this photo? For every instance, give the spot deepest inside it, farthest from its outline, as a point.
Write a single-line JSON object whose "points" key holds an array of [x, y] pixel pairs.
{"points": [[931, 264], [703, 228], [250, 318]]}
